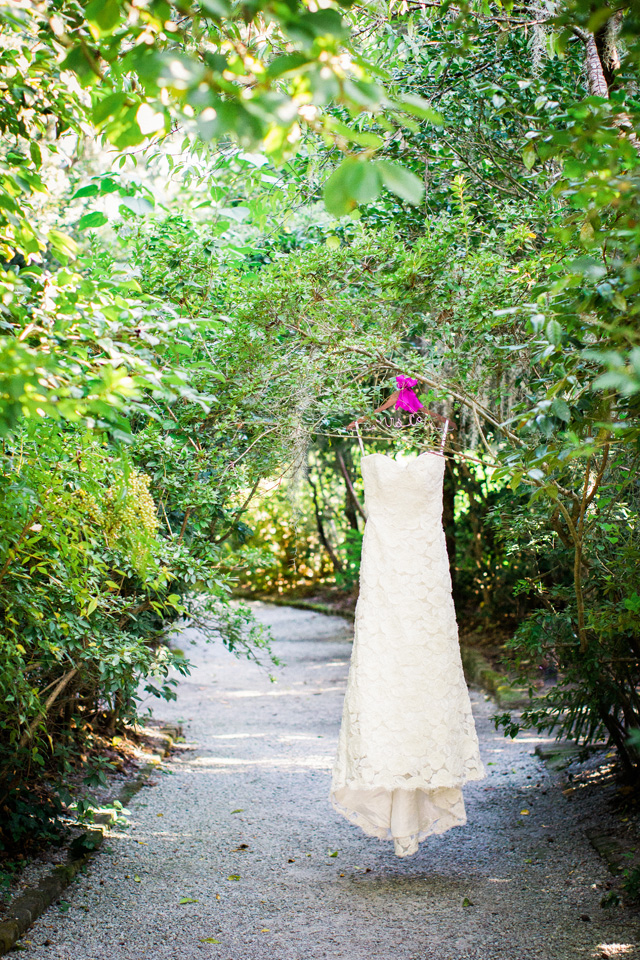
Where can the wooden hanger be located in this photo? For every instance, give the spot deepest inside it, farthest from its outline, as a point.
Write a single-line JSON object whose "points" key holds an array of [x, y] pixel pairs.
{"points": [[390, 402], [448, 424]]}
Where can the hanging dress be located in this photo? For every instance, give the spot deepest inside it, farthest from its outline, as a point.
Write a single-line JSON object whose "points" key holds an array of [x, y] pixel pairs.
{"points": [[408, 740]]}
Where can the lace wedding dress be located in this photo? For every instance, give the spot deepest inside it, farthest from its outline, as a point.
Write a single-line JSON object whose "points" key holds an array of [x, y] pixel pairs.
{"points": [[407, 741]]}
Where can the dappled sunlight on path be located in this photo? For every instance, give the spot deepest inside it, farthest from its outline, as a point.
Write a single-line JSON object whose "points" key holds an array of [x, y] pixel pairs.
{"points": [[236, 853]]}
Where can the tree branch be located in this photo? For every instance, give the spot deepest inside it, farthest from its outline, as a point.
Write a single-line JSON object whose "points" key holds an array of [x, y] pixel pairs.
{"points": [[239, 513], [347, 480], [53, 696], [335, 560]]}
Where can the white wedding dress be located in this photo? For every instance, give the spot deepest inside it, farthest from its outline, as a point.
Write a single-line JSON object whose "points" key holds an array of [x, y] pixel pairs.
{"points": [[408, 740]]}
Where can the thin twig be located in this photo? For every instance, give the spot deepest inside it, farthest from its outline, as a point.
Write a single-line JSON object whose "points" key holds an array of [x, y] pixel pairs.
{"points": [[53, 696], [239, 512]]}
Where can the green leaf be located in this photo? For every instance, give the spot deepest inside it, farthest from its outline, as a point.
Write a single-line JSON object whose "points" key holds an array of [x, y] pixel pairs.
{"points": [[319, 23], [217, 8], [104, 14], [77, 62], [587, 267], [126, 131], [587, 233], [36, 155], [137, 205], [209, 940], [362, 137], [62, 243], [421, 108], [401, 181], [89, 191], [554, 333], [281, 65], [187, 900], [632, 603], [108, 106], [529, 155], [91, 220], [353, 182], [559, 408]]}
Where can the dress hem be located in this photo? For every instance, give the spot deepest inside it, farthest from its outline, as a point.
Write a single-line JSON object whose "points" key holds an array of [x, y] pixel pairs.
{"points": [[479, 774], [404, 845]]}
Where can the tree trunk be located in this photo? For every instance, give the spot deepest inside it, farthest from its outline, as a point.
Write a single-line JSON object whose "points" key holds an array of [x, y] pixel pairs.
{"points": [[324, 540], [352, 506], [602, 62], [598, 86], [605, 39]]}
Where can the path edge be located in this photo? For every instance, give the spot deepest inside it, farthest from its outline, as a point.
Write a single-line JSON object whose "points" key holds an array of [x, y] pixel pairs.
{"points": [[30, 905]]}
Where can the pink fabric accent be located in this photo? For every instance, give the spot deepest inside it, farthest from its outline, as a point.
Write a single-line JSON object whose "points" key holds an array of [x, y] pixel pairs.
{"points": [[407, 399]]}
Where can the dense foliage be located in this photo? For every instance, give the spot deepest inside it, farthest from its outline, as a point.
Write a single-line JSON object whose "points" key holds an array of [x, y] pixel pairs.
{"points": [[224, 229]]}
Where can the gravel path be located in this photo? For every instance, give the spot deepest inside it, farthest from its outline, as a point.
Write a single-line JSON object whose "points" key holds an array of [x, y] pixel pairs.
{"points": [[241, 825]]}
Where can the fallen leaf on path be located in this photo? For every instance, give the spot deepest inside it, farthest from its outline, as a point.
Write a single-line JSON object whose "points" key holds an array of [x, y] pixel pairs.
{"points": [[187, 900], [466, 902], [334, 854], [234, 876], [209, 940], [265, 930], [240, 810], [524, 813], [137, 879]]}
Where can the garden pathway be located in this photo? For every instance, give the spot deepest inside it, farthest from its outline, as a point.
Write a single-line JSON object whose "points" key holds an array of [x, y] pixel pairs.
{"points": [[240, 827]]}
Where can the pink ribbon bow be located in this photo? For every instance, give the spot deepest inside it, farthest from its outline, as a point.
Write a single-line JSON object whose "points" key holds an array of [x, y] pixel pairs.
{"points": [[407, 399]]}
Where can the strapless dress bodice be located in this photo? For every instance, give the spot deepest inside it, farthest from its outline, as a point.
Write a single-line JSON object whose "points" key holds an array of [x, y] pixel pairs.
{"points": [[403, 489]]}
